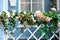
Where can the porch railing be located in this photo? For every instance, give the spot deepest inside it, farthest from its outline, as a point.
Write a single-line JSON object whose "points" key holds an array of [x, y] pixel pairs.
{"points": [[9, 36]]}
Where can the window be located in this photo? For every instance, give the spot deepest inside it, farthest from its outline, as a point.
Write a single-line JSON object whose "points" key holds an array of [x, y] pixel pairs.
{"points": [[32, 5]]}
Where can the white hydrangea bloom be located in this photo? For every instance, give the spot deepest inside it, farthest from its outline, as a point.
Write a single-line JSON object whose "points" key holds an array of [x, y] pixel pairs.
{"points": [[8, 15], [37, 13], [24, 12]]}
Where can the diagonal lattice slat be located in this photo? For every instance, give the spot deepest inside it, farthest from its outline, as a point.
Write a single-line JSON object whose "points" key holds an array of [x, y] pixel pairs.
{"points": [[32, 34]]}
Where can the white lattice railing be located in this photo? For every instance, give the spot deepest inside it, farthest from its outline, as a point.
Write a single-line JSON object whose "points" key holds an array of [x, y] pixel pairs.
{"points": [[32, 34]]}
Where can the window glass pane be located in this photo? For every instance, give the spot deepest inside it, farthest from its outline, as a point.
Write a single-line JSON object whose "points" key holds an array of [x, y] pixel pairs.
{"points": [[36, 6], [36, 0], [25, 0], [39, 6], [25, 6]]}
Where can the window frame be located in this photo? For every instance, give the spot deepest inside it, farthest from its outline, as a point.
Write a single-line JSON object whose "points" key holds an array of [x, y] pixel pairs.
{"points": [[19, 5], [58, 5]]}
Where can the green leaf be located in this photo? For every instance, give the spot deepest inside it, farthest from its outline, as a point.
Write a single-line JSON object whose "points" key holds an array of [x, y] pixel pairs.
{"points": [[41, 31], [58, 18]]}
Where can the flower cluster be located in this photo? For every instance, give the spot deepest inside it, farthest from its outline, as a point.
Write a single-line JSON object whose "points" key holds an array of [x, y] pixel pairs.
{"points": [[42, 17]]}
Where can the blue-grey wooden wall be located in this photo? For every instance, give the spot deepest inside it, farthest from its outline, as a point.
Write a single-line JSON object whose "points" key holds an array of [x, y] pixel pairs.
{"points": [[16, 34]]}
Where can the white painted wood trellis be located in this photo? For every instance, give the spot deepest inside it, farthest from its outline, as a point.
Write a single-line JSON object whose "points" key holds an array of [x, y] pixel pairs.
{"points": [[32, 34]]}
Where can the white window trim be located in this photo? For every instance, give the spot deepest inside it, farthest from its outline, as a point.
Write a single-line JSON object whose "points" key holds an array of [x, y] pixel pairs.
{"points": [[42, 5], [5, 5], [58, 5], [19, 5], [31, 5]]}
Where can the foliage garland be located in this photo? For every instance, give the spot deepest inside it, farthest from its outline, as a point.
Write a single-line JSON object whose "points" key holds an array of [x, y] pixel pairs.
{"points": [[49, 19]]}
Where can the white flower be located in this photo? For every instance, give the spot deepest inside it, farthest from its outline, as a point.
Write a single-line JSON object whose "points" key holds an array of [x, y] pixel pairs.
{"points": [[0, 13], [13, 12], [24, 12], [7, 14], [20, 26], [38, 13], [53, 9], [6, 19], [7, 11], [7, 31], [32, 17], [34, 20], [20, 11]]}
